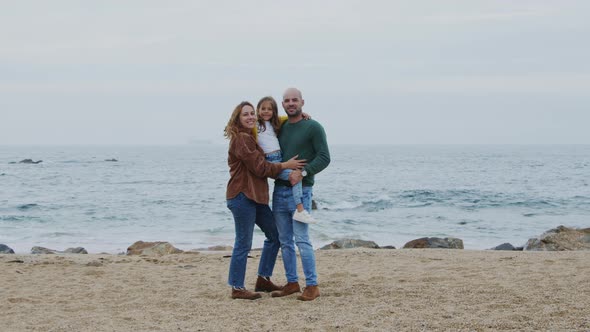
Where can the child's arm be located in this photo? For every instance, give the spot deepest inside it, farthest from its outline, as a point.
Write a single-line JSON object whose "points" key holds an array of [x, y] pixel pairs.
{"points": [[255, 132]]}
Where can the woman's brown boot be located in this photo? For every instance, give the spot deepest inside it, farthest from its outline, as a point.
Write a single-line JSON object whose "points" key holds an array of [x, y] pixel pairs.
{"points": [[263, 284], [244, 294]]}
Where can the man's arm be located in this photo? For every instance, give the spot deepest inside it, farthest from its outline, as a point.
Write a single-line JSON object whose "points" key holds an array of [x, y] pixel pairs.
{"points": [[321, 160], [320, 145]]}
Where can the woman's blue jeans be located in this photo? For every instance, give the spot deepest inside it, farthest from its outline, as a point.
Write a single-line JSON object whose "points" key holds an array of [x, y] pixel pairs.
{"points": [[246, 214], [277, 157]]}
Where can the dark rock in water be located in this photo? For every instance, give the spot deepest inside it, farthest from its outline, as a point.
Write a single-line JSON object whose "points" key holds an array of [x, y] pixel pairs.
{"points": [[4, 249], [561, 238], [314, 205], [387, 247], [113, 160], [47, 251], [435, 243], [30, 161], [350, 243], [152, 249], [504, 246]]}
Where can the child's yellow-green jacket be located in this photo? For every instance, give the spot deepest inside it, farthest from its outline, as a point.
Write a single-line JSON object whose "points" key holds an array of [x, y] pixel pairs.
{"points": [[282, 119]]}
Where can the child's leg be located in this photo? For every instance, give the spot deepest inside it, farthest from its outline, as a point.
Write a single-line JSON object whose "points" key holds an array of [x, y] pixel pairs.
{"points": [[298, 195], [297, 189], [284, 175], [301, 214]]}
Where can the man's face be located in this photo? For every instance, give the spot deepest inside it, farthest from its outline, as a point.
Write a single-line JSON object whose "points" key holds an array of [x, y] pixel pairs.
{"points": [[292, 103]]}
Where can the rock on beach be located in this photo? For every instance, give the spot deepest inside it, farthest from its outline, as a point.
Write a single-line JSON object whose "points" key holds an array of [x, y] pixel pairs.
{"points": [[560, 239], [4, 249], [435, 243], [46, 251], [152, 249], [350, 243]]}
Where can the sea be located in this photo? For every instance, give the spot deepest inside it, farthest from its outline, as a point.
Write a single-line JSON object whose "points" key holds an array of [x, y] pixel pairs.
{"points": [[485, 195]]}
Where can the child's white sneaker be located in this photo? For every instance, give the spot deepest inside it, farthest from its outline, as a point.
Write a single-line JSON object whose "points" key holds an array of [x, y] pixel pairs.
{"points": [[304, 217]]}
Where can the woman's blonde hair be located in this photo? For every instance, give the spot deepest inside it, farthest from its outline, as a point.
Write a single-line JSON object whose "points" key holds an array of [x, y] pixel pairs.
{"points": [[234, 125], [274, 121]]}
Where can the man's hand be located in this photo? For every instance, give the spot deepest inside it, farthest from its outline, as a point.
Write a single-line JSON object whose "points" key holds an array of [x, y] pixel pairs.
{"points": [[295, 177]]}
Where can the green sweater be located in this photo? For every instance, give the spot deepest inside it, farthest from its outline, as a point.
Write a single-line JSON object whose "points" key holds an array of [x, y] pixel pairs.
{"points": [[307, 139]]}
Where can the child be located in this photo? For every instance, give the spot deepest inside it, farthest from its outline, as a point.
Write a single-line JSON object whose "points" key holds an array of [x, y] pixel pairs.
{"points": [[266, 131]]}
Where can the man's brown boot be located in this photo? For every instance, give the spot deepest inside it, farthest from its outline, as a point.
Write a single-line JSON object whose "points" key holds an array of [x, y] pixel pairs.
{"points": [[288, 289], [310, 293], [265, 285], [244, 294]]}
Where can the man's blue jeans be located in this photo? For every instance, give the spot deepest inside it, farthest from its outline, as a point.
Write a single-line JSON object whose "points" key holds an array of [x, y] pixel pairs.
{"points": [[292, 232], [247, 213], [277, 157]]}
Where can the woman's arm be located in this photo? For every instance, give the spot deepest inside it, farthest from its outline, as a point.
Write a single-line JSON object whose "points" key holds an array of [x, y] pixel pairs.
{"points": [[244, 147]]}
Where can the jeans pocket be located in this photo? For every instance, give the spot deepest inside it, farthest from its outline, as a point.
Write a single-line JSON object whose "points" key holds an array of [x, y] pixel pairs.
{"points": [[231, 203]]}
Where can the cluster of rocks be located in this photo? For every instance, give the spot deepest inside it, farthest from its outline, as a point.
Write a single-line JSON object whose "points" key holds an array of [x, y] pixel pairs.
{"points": [[137, 248], [4, 249], [425, 242], [557, 239]]}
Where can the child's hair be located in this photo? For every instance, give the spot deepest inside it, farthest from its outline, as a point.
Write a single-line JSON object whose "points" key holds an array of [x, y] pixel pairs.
{"points": [[234, 125], [274, 121]]}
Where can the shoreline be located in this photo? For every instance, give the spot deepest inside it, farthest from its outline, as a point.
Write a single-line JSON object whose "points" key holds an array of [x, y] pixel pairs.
{"points": [[362, 289]]}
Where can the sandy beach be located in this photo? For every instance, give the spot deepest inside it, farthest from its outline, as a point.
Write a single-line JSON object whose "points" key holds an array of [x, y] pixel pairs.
{"points": [[362, 289]]}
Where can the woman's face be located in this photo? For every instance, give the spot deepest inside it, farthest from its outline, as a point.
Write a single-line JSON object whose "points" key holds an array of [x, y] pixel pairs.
{"points": [[265, 111], [248, 117]]}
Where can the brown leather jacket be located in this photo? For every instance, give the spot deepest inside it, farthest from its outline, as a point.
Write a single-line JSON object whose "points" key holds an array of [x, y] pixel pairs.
{"points": [[248, 169]]}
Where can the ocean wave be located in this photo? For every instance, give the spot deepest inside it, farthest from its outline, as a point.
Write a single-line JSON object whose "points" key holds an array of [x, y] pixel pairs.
{"points": [[463, 199], [379, 205], [59, 234], [18, 218], [26, 207]]}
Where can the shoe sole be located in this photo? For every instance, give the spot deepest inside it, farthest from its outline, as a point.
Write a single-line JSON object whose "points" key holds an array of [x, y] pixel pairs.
{"points": [[246, 298], [265, 290], [306, 222]]}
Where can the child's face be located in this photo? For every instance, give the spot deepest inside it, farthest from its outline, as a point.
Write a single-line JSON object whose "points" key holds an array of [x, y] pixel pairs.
{"points": [[265, 111]]}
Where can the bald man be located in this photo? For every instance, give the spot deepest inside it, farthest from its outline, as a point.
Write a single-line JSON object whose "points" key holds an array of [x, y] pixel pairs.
{"points": [[308, 140]]}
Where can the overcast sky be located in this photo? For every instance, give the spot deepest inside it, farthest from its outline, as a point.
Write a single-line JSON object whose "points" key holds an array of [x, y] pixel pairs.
{"points": [[391, 72]]}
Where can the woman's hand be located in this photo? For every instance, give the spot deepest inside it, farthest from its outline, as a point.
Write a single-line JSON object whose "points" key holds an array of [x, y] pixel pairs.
{"points": [[305, 116], [294, 163]]}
